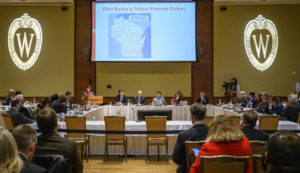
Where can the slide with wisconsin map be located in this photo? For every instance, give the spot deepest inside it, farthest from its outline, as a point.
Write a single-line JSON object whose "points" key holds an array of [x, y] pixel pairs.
{"points": [[124, 31]]}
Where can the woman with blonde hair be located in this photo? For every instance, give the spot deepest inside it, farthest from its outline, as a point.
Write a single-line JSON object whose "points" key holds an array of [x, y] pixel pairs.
{"points": [[224, 138], [9, 157]]}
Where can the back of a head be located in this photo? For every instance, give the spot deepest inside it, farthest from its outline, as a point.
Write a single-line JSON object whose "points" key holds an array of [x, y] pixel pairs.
{"points": [[62, 98], [249, 118], [198, 111], [15, 102], [223, 129], [24, 136], [54, 97], [9, 157], [284, 152], [293, 97], [46, 120]]}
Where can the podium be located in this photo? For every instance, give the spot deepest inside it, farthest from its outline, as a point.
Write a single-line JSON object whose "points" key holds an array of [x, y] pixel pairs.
{"points": [[97, 100]]}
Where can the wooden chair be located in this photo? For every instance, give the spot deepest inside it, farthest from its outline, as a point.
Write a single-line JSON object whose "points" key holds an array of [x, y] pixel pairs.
{"points": [[115, 123], [80, 146], [156, 123], [78, 123], [224, 164], [207, 120], [258, 147], [189, 145], [268, 122], [9, 124], [257, 166]]}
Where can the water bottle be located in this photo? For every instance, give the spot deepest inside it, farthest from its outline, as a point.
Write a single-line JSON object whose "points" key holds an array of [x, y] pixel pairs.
{"points": [[128, 104], [33, 100]]}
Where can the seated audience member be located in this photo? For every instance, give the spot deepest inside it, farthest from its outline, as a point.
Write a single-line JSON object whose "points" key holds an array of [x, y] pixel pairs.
{"points": [[60, 105], [121, 99], [242, 99], [25, 138], [22, 109], [202, 99], [224, 138], [9, 158], [159, 100], [248, 124], [50, 143], [139, 99], [259, 98], [177, 98], [292, 108], [70, 103], [252, 100], [45, 103], [10, 97], [197, 133], [54, 97], [18, 92], [276, 106], [283, 153], [263, 106], [16, 116], [87, 92]]}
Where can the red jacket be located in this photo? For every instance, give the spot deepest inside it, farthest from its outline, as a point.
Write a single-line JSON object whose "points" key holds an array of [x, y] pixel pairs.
{"points": [[239, 148]]}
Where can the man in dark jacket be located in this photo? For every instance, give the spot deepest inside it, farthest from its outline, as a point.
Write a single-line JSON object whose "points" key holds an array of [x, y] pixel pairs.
{"points": [[248, 123], [16, 116], [49, 142], [25, 138], [263, 106], [197, 133], [292, 109], [59, 106]]}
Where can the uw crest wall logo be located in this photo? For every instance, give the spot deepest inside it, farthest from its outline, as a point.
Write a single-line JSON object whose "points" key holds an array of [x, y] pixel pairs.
{"points": [[261, 42], [25, 39]]}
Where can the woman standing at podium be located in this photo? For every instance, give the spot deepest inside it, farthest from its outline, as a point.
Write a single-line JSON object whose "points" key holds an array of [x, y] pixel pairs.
{"points": [[87, 92]]}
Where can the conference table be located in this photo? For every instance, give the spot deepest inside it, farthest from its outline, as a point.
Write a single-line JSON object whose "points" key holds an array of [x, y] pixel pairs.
{"points": [[137, 143]]}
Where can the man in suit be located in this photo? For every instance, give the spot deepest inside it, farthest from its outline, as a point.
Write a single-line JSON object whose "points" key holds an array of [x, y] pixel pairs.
{"points": [[121, 99], [252, 100], [263, 106], [292, 108], [60, 105], [139, 99], [70, 103], [202, 99], [248, 123], [276, 106], [197, 133], [25, 138], [22, 109], [283, 151], [159, 100], [17, 117], [49, 142]]}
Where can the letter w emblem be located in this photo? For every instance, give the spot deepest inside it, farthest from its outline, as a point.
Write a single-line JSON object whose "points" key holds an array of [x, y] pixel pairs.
{"points": [[24, 44], [261, 46]]}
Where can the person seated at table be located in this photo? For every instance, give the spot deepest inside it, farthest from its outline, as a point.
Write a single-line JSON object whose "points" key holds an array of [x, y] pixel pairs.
{"points": [[178, 97], [248, 124], [276, 106], [159, 100], [87, 92], [45, 103], [10, 97], [242, 99], [224, 138], [292, 108], [202, 99], [59, 106], [50, 143], [283, 153], [263, 106], [121, 99], [197, 132], [252, 100], [9, 157], [25, 138], [139, 99], [54, 97], [22, 109], [16, 116], [69, 103]]}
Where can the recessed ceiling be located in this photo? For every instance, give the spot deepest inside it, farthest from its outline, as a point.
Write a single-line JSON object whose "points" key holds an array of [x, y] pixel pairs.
{"points": [[256, 1], [36, 1]]}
